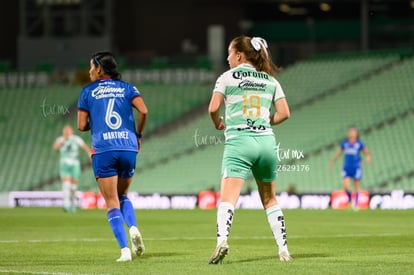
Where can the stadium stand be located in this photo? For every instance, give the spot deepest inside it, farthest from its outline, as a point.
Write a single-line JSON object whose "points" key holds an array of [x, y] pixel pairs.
{"points": [[33, 117], [325, 74], [29, 127], [182, 151], [376, 106], [167, 102], [172, 162], [369, 106], [310, 130], [5, 66], [390, 164]]}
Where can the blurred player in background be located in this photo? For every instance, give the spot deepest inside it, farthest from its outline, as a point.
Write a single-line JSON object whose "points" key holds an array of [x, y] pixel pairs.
{"points": [[105, 108], [68, 144], [248, 89], [352, 167]]}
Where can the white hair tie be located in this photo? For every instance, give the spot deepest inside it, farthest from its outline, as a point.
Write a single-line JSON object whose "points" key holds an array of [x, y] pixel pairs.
{"points": [[258, 43]]}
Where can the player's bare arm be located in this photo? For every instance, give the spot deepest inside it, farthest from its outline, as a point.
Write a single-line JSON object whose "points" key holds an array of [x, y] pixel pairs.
{"points": [[367, 155], [83, 121], [214, 110], [139, 104], [87, 150], [282, 112], [58, 144]]}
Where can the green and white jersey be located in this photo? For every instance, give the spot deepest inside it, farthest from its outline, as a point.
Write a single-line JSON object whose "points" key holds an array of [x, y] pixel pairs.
{"points": [[69, 151], [248, 96]]}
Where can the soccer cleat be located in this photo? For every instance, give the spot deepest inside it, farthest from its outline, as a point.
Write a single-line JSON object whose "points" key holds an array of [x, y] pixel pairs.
{"points": [[137, 243], [219, 253], [285, 257], [125, 255]]}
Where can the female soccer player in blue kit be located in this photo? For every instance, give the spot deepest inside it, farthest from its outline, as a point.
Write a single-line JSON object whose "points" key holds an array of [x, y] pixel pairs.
{"points": [[352, 168], [105, 108]]}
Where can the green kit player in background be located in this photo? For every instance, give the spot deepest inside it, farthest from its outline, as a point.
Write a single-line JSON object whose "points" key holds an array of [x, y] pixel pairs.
{"points": [[249, 90], [68, 144]]}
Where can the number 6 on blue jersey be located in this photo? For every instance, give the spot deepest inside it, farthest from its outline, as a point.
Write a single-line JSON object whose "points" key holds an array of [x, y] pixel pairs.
{"points": [[112, 115]]}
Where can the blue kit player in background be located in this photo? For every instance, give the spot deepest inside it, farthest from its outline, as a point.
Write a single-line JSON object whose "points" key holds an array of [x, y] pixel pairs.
{"points": [[352, 168], [105, 107]]}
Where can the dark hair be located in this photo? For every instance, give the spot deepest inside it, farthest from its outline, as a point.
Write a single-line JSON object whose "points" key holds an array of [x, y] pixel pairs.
{"points": [[260, 59], [108, 63]]}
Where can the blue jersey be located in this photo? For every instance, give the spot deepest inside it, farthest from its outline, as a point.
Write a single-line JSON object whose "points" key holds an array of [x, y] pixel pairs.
{"points": [[352, 157], [111, 117]]}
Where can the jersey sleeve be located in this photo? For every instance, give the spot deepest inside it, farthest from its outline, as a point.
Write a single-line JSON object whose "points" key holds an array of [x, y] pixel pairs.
{"points": [[134, 93], [79, 140], [59, 139], [83, 101], [220, 86], [278, 92]]}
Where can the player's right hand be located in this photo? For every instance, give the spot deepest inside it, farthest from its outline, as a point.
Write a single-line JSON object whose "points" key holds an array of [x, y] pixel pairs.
{"points": [[221, 126]]}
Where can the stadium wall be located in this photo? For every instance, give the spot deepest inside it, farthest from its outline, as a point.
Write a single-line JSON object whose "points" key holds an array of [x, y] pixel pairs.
{"points": [[396, 199]]}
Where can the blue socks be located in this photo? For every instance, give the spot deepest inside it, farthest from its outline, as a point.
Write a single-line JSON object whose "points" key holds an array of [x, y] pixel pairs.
{"points": [[117, 224], [116, 218], [349, 195], [127, 211], [356, 199]]}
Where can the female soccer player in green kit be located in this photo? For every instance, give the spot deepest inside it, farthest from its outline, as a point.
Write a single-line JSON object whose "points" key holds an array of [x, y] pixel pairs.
{"points": [[68, 144], [248, 90]]}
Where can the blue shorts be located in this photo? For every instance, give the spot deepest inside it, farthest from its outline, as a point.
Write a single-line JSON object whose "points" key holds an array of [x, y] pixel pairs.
{"points": [[354, 173], [114, 163]]}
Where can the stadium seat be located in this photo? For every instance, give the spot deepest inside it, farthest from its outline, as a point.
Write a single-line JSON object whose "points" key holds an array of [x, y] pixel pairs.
{"points": [[182, 151]]}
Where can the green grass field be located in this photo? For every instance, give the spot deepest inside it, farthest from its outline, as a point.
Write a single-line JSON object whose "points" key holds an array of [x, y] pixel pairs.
{"points": [[48, 241]]}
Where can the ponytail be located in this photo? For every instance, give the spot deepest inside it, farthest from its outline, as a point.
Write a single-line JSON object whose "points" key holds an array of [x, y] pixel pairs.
{"points": [[257, 53]]}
